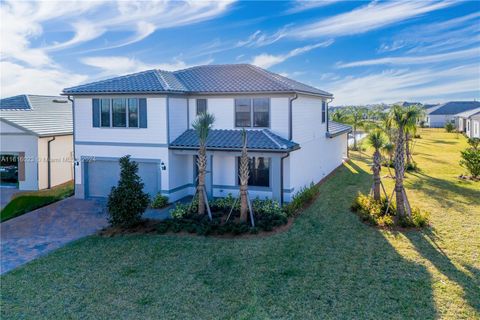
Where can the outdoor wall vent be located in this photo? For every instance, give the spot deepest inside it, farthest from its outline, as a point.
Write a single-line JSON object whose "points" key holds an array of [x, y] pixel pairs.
{"points": [[59, 101]]}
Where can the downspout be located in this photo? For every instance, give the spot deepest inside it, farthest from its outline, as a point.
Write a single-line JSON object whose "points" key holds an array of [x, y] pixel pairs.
{"points": [[290, 114], [281, 177], [49, 165], [327, 113]]}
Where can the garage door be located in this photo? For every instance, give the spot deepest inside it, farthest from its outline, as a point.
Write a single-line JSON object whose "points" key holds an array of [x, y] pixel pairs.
{"points": [[103, 175]]}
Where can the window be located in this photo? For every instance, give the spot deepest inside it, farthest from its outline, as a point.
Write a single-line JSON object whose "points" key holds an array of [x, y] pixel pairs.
{"points": [[119, 112], [260, 112], [259, 172], [133, 113], [201, 106], [252, 112], [324, 111], [243, 112], [105, 112]]}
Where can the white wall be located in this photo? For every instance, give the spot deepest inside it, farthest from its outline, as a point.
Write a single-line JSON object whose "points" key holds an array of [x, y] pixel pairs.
{"points": [[177, 114], [439, 120], [61, 153], [307, 119], [156, 131]]}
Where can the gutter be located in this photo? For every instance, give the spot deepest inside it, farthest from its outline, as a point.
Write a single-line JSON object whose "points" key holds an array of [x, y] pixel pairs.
{"points": [[290, 114], [327, 114], [49, 164]]}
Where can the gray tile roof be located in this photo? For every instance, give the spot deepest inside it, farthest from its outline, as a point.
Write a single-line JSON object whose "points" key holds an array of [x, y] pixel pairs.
{"points": [[336, 129], [39, 115], [469, 113], [228, 78], [455, 107], [219, 139]]}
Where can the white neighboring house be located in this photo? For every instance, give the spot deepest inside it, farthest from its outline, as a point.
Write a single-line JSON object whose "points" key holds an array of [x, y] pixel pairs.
{"points": [[472, 125], [149, 116], [463, 122], [439, 116], [34, 130]]}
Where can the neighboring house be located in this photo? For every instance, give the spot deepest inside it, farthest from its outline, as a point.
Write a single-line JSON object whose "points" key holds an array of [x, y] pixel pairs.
{"points": [[472, 125], [445, 113], [34, 130], [149, 116], [462, 120]]}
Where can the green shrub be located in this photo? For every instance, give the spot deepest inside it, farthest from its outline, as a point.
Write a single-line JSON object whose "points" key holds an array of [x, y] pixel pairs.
{"points": [[449, 127], [127, 201], [160, 201], [411, 166], [471, 157], [180, 210], [225, 204], [303, 197], [373, 212]]}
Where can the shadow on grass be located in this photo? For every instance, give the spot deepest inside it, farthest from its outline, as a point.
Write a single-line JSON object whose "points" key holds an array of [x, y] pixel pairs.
{"points": [[437, 188], [426, 244]]}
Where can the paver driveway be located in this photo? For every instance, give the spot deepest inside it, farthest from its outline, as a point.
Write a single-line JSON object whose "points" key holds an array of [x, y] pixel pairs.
{"points": [[33, 234]]}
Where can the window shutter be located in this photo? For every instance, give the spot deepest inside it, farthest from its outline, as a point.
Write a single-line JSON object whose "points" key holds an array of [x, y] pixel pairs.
{"points": [[143, 112], [96, 113]]}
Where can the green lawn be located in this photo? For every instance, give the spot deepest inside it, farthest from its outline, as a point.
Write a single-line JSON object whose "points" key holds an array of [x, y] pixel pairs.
{"points": [[28, 201], [328, 265]]}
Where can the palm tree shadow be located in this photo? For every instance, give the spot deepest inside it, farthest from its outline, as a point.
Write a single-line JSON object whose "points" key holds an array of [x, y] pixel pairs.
{"points": [[427, 245]]}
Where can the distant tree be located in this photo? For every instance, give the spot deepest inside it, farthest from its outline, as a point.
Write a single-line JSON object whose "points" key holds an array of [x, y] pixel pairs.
{"points": [[202, 124], [339, 115], [127, 201], [355, 117], [377, 140]]}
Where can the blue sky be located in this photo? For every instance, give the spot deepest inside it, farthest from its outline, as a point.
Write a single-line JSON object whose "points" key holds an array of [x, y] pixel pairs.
{"points": [[361, 51]]}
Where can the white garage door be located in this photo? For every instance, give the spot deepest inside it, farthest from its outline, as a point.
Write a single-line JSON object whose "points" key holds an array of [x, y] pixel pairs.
{"points": [[102, 175]]}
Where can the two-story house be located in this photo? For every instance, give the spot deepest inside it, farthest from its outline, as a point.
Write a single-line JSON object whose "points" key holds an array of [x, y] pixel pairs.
{"points": [[149, 116]]}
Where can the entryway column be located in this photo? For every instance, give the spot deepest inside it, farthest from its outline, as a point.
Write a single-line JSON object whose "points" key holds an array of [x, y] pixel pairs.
{"points": [[276, 178], [209, 176]]}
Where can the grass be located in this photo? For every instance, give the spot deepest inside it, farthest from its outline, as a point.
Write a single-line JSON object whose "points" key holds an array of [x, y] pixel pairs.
{"points": [[27, 201], [328, 265]]}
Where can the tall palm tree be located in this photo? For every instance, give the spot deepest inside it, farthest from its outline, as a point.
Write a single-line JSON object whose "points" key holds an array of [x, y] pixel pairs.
{"points": [[389, 149], [355, 118], [244, 176], [410, 131], [402, 118], [202, 124], [377, 140]]}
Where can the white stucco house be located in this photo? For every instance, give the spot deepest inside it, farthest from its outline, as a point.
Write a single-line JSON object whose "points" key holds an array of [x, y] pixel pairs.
{"points": [[36, 141], [149, 116], [439, 116], [463, 121], [472, 125]]}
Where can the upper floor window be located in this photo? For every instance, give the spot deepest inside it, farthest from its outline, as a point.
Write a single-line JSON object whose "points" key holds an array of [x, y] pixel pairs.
{"points": [[259, 172], [252, 112], [201, 106], [324, 111], [120, 113]]}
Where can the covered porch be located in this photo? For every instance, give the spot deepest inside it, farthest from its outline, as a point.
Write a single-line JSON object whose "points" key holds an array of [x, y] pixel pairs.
{"points": [[267, 153]]}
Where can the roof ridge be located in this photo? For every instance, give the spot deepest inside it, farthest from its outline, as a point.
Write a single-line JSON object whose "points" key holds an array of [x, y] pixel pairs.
{"points": [[161, 78], [266, 132], [110, 79]]}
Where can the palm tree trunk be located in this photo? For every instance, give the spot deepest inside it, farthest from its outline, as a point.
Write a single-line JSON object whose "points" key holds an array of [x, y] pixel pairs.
{"points": [[407, 148], [376, 175], [244, 175], [202, 166], [399, 172]]}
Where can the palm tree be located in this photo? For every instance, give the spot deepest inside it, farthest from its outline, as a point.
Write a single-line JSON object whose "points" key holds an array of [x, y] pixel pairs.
{"points": [[402, 118], [377, 140], [244, 175], [202, 124], [339, 115], [410, 131], [389, 149], [355, 118]]}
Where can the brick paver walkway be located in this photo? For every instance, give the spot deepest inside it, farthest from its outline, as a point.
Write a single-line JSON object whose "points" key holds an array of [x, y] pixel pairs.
{"points": [[33, 234]]}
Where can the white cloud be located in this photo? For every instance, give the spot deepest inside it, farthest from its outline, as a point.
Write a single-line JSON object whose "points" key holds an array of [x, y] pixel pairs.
{"points": [[441, 57], [425, 84], [120, 65], [260, 39], [17, 79], [265, 60], [303, 5], [370, 17]]}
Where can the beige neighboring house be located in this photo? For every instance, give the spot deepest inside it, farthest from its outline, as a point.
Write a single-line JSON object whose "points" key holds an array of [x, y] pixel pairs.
{"points": [[36, 141]]}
